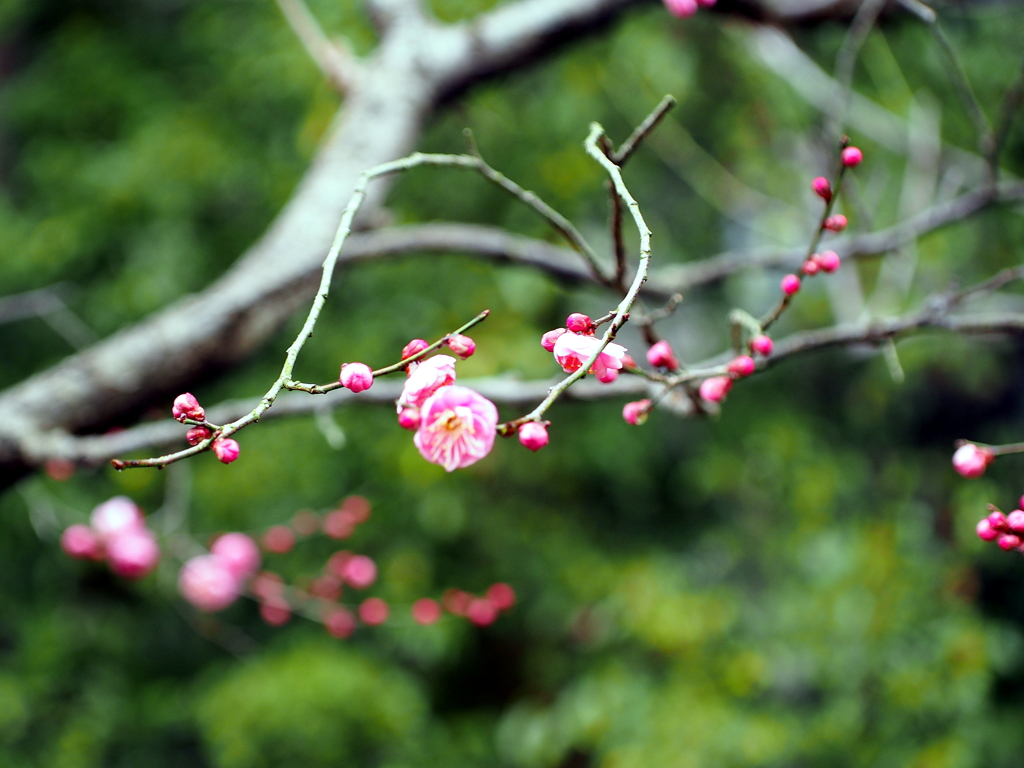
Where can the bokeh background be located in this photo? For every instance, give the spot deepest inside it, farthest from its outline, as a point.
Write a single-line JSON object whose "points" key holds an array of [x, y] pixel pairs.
{"points": [[795, 583]]}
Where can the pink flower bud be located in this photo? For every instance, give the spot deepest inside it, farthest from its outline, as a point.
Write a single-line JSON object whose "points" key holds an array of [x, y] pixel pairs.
{"points": [[481, 612], [374, 611], [533, 435], [115, 516], [409, 418], [133, 553], [357, 507], [267, 586], [463, 346], [360, 571], [81, 542], [326, 587], [635, 413], [426, 611], [835, 223], [1016, 521], [187, 407], [822, 188], [1008, 541], [501, 596], [414, 347], [196, 435], [681, 9], [716, 388], [456, 602], [225, 449], [810, 267], [660, 355], [999, 522], [828, 261], [239, 554], [578, 323], [279, 539], [356, 376], [762, 344], [339, 622], [208, 583], [339, 524], [971, 461], [742, 366], [275, 611], [852, 157], [628, 361], [790, 284], [548, 339], [985, 530]]}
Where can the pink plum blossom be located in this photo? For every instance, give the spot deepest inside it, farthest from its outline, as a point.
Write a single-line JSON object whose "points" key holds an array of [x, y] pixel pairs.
{"points": [[822, 188], [457, 427], [239, 554], [577, 322], [985, 530], [196, 435], [425, 379], [226, 450], [115, 516], [742, 366], [533, 435], [426, 611], [409, 418], [360, 571], [636, 412], [356, 376], [790, 284], [835, 223], [186, 406], [852, 157], [1016, 521], [339, 622], [414, 347], [374, 611], [132, 552], [208, 582], [548, 339], [463, 346], [828, 261], [762, 344], [660, 355], [681, 8], [81, 542], [572, 350], [716, 388], [972, 461]]}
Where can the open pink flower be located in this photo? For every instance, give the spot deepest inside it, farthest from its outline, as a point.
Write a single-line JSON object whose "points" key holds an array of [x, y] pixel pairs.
{"points": [[457, 428], [425, 379], [116, 515], [572, 350]]}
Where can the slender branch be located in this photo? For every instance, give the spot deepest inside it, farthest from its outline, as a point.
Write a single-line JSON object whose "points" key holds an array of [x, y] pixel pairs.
{"points": [[1012, 100], [337, 64], [629, 146], [321, 389], [622, 311]]}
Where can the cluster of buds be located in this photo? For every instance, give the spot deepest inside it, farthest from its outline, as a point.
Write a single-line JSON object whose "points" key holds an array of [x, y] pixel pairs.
{"points": [[214, 581], [573, 345], [455, 426], [684, 9], [480, 610], [1006, 530], [116, 533], [187, 410]]}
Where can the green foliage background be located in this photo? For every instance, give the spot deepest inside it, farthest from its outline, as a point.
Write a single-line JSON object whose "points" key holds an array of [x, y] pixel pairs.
{"points": [[793, 584]]}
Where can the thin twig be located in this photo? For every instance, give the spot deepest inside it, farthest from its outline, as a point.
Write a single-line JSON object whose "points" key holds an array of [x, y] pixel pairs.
{"points": [[344, 228], [322, 389], [336, 64], [622, 311], [630, 145]]}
